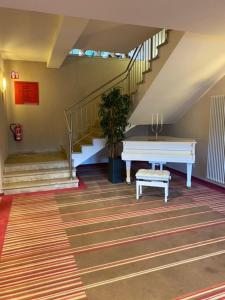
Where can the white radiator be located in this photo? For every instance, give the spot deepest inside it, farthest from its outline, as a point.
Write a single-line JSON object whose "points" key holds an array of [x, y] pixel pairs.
{"points": [[216, 146]]}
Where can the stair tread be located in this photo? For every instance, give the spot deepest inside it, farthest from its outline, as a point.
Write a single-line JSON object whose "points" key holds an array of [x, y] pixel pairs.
{"points": [[77, 148], [35, 172], [98, 137], [37, 183]]}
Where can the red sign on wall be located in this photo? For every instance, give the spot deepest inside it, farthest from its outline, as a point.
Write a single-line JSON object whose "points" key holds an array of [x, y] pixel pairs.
{"points": [[26, 92]]}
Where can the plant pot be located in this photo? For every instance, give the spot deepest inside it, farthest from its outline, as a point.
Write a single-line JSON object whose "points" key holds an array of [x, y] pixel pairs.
{"points": [[115, 170]]}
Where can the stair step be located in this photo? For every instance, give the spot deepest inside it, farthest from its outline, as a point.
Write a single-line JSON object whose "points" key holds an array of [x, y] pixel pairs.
{"points": [[86, 141], [10, 167], [87, 151], [77, 148], [97, 134], [39, 185], [147, 71], [39, 174], [92, 132]]}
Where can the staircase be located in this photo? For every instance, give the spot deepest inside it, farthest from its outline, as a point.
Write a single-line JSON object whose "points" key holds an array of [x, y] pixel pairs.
{"points": [[169, 85], [189, 65], [37, 172], [84, 136], [88, 145]]}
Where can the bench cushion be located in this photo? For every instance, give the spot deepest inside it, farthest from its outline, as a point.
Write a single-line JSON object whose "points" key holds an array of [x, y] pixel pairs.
{"points": [[147, 174]]}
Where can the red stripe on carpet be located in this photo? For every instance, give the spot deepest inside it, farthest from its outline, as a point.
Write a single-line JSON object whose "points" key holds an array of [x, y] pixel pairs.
{"points": [[5, 206], [144, 237], [206, 292]]}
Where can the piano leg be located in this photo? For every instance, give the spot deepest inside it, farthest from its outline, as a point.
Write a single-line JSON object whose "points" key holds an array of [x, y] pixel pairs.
{"points": [[189, 171], [128, 167]]}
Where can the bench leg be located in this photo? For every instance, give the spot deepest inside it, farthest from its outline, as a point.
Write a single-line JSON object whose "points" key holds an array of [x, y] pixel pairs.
{"points": [[140, 189], [137, 190], [166, 192]]}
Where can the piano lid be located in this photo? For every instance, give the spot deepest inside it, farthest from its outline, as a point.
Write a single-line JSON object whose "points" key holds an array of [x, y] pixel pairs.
{"points": [[160, 139]]}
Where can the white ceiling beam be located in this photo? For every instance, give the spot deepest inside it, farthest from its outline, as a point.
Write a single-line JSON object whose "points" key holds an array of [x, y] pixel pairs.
{"points": [[67, 33]]}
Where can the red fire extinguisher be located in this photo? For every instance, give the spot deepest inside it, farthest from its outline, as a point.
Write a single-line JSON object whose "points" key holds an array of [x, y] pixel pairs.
{"points": [[16, 130]]}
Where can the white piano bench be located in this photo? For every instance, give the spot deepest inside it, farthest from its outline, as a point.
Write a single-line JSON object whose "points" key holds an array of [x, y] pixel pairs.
{"points": [[156, 178]]}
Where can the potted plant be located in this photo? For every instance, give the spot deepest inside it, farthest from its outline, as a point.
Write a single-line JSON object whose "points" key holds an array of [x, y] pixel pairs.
{"points": [[113, 113]]}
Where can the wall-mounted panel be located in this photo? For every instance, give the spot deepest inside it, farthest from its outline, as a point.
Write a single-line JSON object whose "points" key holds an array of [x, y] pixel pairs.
{"points": [[216, 147]]}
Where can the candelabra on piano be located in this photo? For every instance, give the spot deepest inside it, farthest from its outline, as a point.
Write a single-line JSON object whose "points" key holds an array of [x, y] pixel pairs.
{"points": [[157, 126]]}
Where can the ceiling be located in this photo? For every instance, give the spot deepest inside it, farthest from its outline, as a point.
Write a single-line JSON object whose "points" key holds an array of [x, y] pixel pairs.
{"points": [[22, 36], [35, 36], [114, 37], [201, 16], [39, 31]]}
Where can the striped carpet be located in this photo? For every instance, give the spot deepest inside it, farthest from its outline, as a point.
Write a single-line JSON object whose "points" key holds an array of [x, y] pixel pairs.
{"points": [[100, 243], [37, 261]]}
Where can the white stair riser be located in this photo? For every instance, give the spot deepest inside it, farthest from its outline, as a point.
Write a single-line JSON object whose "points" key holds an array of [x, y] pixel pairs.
{"points": [[40, 176], [35, 166], [41, 188]]}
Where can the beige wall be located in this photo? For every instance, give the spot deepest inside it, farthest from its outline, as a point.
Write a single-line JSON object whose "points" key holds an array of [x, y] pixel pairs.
{"points": [[3, 122], [44, 125], [195, 124]]}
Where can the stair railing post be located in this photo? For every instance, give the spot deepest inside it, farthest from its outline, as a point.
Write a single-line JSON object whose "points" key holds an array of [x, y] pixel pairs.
{"points": [[71, 146], [129, 83], [151, 53]]}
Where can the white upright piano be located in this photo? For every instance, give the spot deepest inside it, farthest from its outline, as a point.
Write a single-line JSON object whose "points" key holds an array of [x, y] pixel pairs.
{"points": [[163, 150]]}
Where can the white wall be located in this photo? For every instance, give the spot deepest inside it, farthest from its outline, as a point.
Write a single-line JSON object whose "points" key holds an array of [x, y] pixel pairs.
{"points": [[102, 156], [195, 124], [194, 66], [44, 124], [3, 122]]}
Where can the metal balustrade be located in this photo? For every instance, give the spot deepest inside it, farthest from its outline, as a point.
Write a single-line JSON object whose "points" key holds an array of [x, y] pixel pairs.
{"points": [[82, 116]]}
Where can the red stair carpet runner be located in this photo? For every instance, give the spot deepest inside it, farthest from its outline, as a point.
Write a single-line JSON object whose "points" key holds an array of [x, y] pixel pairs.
{"points": [[5, 206]]}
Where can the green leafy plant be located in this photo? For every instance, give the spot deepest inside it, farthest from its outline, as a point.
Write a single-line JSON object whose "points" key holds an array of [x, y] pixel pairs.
{"points": [[113, 113]]}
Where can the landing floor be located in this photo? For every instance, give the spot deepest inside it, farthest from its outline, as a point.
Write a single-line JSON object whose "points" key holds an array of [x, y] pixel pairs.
{"points": [[35, 157]]}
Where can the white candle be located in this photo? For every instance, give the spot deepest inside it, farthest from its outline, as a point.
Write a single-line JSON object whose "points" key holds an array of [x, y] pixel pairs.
{"points": [[152, 119], [157, 119], [161, 119]]}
